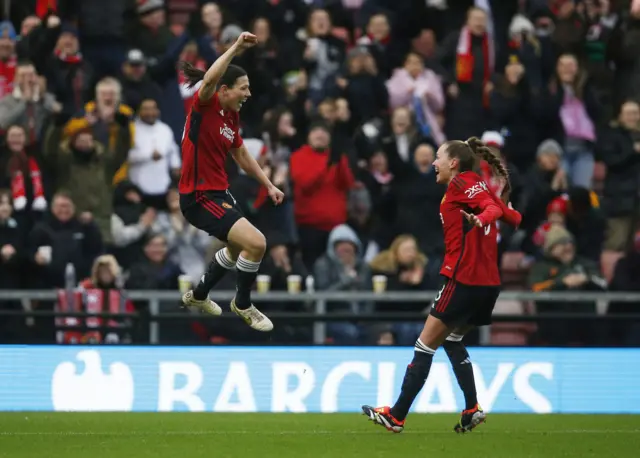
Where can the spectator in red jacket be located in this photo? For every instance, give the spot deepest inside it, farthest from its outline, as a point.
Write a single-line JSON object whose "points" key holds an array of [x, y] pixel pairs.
{"points": [[8, 59], [321, 181]]}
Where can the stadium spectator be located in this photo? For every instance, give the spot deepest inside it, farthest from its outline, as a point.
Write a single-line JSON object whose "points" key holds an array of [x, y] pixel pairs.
{"points": [[622, 50], [542, 183], [8, 58], [517, 109], [321, 180], [12, 268], [186, 244], [25, 40], [363, 87], [108, 119], [322, 55], [573, 111], [29, 104], [131, 221], [619, 148], [586, 222], [468, 56], [417, 195], [153, 37], [61, 238], [22, 175], [419, 88], [404, 266], [69, 76], [84, 168], [570, 27], [403, 138], [386, 51], [561, 270], [154, 161], [136, 83], [189, 54], [341, 268], [211, 20]]}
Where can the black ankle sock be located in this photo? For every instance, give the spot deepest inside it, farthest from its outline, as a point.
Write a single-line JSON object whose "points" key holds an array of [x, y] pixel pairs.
{"points": [[218, 268], [459, 357], [247, 273], [414, 378]]}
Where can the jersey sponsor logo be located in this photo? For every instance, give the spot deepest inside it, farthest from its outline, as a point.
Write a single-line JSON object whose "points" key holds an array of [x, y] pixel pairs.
{"points": [[226, 205], [227, 133], [476, 189]]}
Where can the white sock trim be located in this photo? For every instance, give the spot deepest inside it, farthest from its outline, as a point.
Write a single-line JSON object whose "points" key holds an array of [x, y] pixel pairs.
{"points": [[224, 260], [421, 347], [245, 265], [455, 338]]}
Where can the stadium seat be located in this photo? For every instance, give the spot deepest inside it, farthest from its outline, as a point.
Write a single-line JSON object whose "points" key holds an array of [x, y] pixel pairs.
{"points": [[608, 261], [514, 272], [510, 334]]}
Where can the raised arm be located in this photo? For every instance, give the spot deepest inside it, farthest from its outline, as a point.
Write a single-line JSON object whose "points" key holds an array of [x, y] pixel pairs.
{"points": [[215, 72]]}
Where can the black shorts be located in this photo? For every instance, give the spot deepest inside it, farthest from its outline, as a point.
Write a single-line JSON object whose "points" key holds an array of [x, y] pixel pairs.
{"points": [[459, 305], [214, 212]]}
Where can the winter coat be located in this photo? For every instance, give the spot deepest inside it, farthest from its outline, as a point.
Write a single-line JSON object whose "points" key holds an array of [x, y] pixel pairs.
{"points": [[12, 269], [87, 176], [622, 184]]}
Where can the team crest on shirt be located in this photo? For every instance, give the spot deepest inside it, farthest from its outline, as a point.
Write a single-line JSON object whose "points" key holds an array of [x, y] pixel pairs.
{"points": [[226, 205], [227, 133]]}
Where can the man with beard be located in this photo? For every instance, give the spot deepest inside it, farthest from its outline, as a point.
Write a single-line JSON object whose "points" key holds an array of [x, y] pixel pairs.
{"points": [[155, 156]]}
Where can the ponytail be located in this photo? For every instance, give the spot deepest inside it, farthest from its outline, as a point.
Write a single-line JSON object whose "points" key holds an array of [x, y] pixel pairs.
{"points": [[192, 74], [482, 151]]}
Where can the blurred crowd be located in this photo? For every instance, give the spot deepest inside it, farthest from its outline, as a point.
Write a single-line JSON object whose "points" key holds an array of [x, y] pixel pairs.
{"points": [[350, 101]]}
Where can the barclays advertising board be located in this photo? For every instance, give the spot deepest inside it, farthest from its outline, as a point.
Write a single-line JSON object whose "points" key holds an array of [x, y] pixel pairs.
{"points": [[311, 379]]}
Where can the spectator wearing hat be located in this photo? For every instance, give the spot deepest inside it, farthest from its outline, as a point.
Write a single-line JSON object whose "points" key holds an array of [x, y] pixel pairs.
{"points": [[542, 183], [8, 58], [154, 161], [108, 118], [321, 181], [556, 216], [162, 50], [137, 85], [562, 270], [28, 105], [84, 167], [619, 148], [69, 76]]}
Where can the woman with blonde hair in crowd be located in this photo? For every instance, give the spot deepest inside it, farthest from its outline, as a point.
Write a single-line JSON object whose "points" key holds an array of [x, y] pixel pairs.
{"points": [[404, 266]]}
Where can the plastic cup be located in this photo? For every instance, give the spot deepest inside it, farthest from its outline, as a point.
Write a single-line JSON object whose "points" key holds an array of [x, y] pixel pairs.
{"points": [[264, 283], [184, 283], [379, 283], [45, 252], [294, 283]]}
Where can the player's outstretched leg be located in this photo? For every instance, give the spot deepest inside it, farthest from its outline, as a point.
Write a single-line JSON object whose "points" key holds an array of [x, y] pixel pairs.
{"points": [[244, 234], [223, 261], [430, 339], [472, 415]]}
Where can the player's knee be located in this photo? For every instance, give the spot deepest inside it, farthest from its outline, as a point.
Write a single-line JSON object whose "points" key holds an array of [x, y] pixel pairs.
{"points": [[257, 245]]}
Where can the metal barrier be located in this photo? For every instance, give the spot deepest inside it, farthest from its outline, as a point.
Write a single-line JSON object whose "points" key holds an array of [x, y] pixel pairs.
{"points": [[319, 316]]}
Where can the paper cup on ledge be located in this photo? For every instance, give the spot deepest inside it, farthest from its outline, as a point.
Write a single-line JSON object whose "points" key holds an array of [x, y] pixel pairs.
{"points": [[264, 283], [184, 283], [379, 283], [294, 284]]}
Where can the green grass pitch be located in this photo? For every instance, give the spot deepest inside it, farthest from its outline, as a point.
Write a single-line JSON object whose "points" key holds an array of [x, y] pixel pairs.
{"points": [[213, 435]]}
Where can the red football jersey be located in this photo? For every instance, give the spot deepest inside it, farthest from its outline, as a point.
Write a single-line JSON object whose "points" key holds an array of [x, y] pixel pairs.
{"points": [[209, 133], [471, 253]]}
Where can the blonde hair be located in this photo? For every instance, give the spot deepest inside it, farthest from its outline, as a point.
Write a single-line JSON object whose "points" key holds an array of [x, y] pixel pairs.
{"points": [[387, 260]]}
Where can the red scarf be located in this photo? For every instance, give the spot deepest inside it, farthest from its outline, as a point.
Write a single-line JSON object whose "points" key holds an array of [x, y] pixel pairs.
{"points": [[465, 61], [18, 188], [69, 58], [7, 74], [385, 41], [44, 6]]}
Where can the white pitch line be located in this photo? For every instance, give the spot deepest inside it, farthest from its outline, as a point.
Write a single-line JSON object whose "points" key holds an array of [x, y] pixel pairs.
{"points": [[302, 433]]}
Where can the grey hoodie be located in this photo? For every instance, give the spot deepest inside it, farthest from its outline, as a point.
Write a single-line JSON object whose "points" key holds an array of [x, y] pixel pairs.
{"points": [[330, 274]]}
